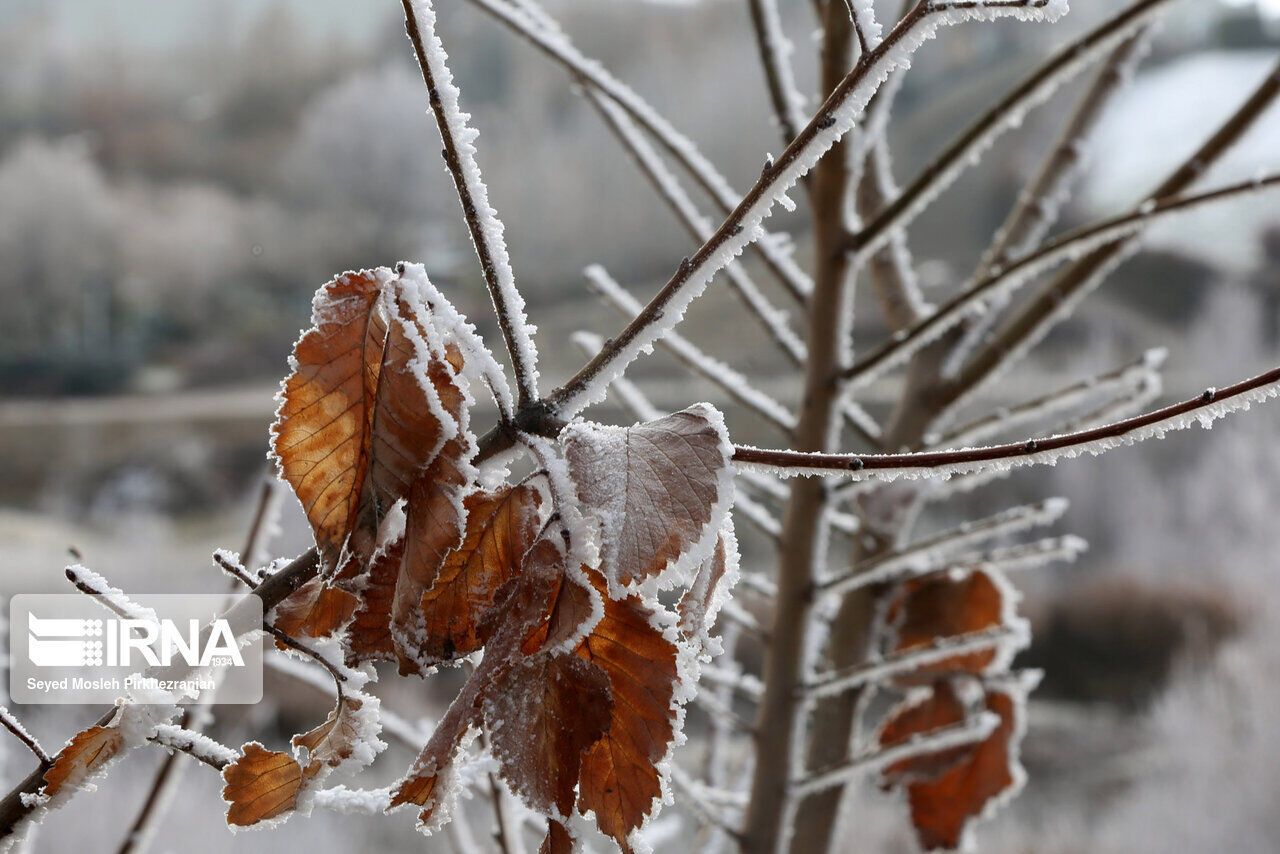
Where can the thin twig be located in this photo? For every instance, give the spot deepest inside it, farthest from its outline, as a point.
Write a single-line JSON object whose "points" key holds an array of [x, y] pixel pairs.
{"points": [[773, 249], [486, 231], [20, 732], [775, 58], [1002, 281], [1033, 90], [1203, 409]]}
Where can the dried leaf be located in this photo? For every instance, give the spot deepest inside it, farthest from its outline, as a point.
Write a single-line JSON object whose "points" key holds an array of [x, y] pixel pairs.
{"points": [[542, 713], [317, 609], [660, 489], [620, 781], [559, 839], [942, 707], [500, 528], [427, 782], [939, 607], [369, 633], [349, 732], [364, 410], [942, 808], [698, 606], [262, 784], [86, 753]]}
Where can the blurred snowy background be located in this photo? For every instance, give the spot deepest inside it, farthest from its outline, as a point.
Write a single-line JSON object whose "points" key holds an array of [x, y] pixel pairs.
{"points": [[177, 178]]}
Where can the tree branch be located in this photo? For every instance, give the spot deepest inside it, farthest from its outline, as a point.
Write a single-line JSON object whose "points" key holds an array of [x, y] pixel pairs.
{"points": [[775, 58], [482, 222]]}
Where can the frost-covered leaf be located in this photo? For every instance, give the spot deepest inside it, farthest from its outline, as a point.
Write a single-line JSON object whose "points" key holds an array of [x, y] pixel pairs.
{"points": [[942, 606], [86, 753], [261, 785], [700, 604], [348, 735], [940, 708], [573, 604], [943, 807], [500, 528], [371, 400], [659, 490], [369, 632], [620, 780], [542, 713], [317, 609]]}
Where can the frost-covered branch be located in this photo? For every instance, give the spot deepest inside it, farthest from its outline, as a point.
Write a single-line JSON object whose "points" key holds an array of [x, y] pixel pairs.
{"points": [[668, 186], [1041, 200], [482, 221], [1121, 381], [1203, 410], [934, 741], [1003, 281], [733, 383], [1057, 299], [540, 31], [775, 57], [1034, 90], [912, 660], [837, 116], [15, 726], [194, 744]]}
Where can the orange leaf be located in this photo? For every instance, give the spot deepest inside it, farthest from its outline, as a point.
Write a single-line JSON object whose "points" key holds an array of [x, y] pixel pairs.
{"points": [[316, 609], [620, 782], [336, 740], [262, 784], [559, 839], [500, 528], [942, 808], [939, 607], [941, 708], [661, 486], [543, 711], [86, 753], [369, 633], [357, 422]]}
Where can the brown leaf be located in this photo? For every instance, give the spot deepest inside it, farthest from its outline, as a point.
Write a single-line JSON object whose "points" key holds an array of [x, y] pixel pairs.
{"points": [[543, 711], [317, 609], [369, 633], [262, 784], [657, 488], [619, 781], [559, 839], [942, 808], [356, 424], [333, 742], [695, 607], [435, 525], [941, 708], [939, 607], [500, 528], [86, 753]]}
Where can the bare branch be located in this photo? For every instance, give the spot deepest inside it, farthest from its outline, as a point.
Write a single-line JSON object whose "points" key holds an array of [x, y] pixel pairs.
{"points": [[1203, 410], [539, 32], [775, 56], [667, 185], [707, 367], [482, 222], [1002, 281], [14, 726], [978, 137]]}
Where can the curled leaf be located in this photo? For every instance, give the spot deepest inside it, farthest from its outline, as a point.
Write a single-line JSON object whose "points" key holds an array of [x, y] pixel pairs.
{"points": [[84, 755]]}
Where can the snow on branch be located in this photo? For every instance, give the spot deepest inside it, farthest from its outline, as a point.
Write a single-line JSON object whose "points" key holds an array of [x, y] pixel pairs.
{"points": [[668, 186], [912, 660], [539, 30], [15, 726], [733, 383], [629, 395], [1034, 90], [975, 730], [1203, 410], [1000, 282], [742, 227], [113, 599], [1121, 381], [482, 221], [775, 56]]}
